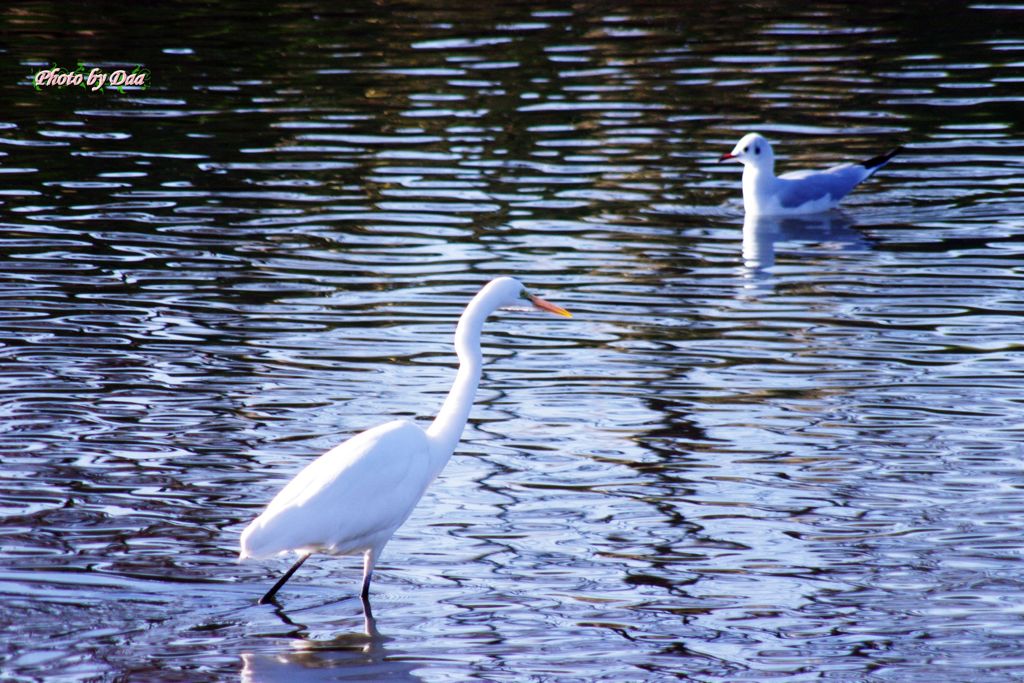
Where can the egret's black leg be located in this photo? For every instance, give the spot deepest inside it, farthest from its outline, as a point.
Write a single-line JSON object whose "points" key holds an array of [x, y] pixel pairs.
{"points": [[368, 620], [369, 559], [365, 593], [280, 582]]}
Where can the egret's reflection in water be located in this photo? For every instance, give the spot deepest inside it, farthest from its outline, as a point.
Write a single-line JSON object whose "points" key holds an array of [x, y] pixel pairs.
{"points": [[348, 656]]}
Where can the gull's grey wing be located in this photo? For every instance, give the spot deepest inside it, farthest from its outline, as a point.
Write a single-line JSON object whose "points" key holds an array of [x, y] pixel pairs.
{"points": [[799, 187]]}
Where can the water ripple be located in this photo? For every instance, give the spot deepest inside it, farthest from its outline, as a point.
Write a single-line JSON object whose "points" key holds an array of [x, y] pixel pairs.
{"points": [[762, 449]]}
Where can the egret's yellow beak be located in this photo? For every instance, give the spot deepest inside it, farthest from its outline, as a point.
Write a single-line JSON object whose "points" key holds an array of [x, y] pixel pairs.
{"points": [[548, 306]]}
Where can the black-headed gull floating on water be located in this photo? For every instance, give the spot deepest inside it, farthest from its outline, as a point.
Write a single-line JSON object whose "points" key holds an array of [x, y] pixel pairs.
{"points": [[797, 192]]}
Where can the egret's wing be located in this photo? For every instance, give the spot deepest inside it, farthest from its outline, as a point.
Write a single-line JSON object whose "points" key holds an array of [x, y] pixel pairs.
{"points": [[800, 187], [358, 489], [348, 459]]}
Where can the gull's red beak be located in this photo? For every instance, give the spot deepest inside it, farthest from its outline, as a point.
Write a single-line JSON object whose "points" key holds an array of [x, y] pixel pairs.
{"points": [[548, 306], [727, 155]]}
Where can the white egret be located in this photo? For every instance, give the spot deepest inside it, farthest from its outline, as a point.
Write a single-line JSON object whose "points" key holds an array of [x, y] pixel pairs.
{"points": [[797, 192], [354, 497]]}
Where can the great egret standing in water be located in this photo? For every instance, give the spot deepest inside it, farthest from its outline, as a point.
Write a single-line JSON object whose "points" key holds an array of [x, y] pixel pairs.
{"points": [[354, 497]]}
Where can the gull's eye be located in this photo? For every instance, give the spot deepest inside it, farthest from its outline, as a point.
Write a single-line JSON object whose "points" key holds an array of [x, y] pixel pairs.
{"points": [[757, 150], [747, 148]]}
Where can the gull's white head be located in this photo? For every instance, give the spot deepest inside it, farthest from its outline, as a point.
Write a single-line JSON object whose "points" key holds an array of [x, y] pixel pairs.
{"points": [[752, 150]]}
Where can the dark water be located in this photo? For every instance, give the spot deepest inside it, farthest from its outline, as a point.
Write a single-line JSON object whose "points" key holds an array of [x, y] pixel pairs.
{"points": [[782, 450]]}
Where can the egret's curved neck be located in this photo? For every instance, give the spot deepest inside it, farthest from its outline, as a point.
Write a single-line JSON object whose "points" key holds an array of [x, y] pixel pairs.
{"points": [[446, 430]]}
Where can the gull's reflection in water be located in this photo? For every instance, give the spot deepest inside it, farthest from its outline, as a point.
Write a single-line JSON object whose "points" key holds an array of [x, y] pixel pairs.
{"points": [[833, 231], [352, 656]]}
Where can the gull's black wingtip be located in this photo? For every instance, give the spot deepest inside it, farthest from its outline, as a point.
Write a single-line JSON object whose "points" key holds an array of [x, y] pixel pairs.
{"points": [[875, 163]]}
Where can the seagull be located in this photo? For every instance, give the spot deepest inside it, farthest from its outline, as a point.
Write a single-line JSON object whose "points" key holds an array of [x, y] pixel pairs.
{"points": [[796, 192]]}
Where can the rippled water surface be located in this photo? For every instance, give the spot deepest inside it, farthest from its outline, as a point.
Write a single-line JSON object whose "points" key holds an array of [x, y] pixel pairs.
{"points": [[762, 450]]}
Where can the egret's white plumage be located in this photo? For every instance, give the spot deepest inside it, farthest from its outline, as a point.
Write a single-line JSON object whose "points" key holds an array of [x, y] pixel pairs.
{"points": [[354, 497], [314, 511], [797, 192]]}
